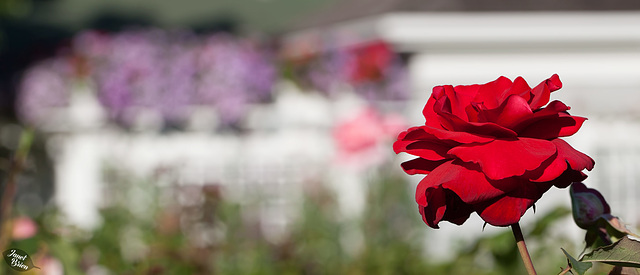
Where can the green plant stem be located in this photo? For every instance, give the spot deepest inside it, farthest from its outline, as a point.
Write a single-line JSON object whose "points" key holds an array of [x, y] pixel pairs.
{"points": [[6, 203], [522, 248]]}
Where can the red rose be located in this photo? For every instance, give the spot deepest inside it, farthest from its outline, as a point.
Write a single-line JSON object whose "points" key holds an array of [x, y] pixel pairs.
{"points": [[370, 62], [491, 149]]}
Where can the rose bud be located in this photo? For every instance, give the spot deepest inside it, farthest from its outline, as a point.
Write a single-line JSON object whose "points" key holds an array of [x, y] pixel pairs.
{"points": [[588, 205]]}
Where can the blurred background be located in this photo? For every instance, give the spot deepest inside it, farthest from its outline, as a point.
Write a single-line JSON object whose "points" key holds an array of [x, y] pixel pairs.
{"points": [[254, 136]]}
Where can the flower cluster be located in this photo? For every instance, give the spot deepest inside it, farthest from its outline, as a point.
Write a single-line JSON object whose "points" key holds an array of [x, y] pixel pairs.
{"points": [[372, 69], [161, 72], [44, 87], [493, 149]]}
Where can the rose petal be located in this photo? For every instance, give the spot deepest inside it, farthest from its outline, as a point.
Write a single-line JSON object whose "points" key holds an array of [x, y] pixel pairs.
{"points": [[447, 99], [569, 176], [550, 170], [508, 209], [550, 111], [426, 183], [514, 110], [468, 90], [542, 92], [566, 158], [490, 94], [554, 83], [420, 166], [505, 211], [401, 145], [432, 212], [432, 150], [457, 211], [575, 159], [431, 118], [468, 184], [560, 125], [540, 96], [453, 123], [460, 137], [443, 205], [554, 107], [416, 133], [458, 100], [449, 137], [519, 87], [500, 159]]}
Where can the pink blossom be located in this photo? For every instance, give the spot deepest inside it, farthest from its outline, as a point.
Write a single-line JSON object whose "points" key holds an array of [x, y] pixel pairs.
{"points": [[360, 139], [24, 228]]}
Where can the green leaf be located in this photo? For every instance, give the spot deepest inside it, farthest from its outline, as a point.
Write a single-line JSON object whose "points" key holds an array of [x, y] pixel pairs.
{"points": [[18, 260], [623, 270], [625, 252], [577, 266]]}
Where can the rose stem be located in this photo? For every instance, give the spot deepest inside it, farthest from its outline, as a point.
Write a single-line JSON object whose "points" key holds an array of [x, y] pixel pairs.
{"points": [[17, 163], [522, 247], [565, 270]]}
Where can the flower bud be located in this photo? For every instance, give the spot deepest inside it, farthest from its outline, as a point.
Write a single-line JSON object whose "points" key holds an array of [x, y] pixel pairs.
{"points": [[588, 205]]}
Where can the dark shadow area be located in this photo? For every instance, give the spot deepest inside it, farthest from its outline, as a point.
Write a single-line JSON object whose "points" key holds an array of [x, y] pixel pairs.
{"points": [[23, 43], [114, 21], [222, 22]]}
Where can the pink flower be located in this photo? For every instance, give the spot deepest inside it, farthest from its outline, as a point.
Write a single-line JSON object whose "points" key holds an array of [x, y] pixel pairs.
{"points": [[358, 139], [24, 228]]}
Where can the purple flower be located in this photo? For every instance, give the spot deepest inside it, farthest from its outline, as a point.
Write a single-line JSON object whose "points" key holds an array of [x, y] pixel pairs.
{"points": [[44, 87], [167, 73]]}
